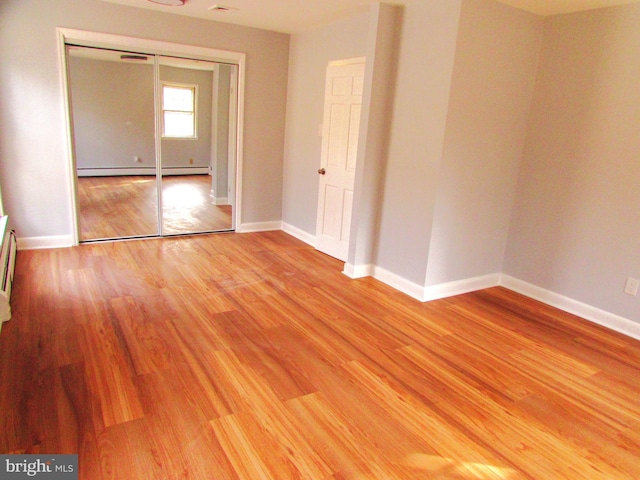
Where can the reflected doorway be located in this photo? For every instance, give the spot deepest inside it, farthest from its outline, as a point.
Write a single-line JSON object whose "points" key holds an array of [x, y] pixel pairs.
{"points": [[134, 176]]}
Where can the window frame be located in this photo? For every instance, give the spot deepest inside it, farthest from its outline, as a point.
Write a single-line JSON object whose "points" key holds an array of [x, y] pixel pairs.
{"points": [[190, 86]]}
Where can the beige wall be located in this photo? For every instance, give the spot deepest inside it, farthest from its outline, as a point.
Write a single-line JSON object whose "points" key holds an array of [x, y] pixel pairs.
{"points": [[33, 162], [576, 222]]}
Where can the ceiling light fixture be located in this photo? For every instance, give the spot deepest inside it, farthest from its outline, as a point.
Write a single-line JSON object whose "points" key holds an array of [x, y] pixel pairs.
{"points": [[171, 3]]}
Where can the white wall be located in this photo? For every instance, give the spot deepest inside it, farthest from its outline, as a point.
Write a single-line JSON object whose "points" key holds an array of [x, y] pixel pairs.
{"points": [[385, 25], [425, 66], [576, 223], [310, 52], [33, 160], [491, 90]]}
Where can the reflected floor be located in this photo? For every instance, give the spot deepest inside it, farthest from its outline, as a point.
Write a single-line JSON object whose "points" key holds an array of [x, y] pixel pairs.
{"points": [[126, 206]]}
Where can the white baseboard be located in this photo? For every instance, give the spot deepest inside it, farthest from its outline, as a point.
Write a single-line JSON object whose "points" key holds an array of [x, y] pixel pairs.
{"points": [[259, 227], [221, 200], [433, 292], [399, 283], [583, 310], [38, 243], [299, 234], [358, 271], [449, 289]]}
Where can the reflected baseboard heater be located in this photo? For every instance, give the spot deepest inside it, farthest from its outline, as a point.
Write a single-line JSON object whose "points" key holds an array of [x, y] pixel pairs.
{"points": [[7, 266]]}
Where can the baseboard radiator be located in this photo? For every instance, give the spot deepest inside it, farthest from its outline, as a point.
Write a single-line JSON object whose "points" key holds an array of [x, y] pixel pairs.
{"points": [[7, 266]]}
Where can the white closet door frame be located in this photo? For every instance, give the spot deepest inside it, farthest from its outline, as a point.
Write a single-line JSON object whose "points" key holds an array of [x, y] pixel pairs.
{"points": [[151, 47]]}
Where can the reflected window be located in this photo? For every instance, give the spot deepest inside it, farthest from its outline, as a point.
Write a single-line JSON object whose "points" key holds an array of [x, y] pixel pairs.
{"points": [[179, 111]]}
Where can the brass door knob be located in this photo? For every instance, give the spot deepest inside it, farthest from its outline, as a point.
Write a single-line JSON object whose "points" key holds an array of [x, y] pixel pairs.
{"points": [[322, 171]]}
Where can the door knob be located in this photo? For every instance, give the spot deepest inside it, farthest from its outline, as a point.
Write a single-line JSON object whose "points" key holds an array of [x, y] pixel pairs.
{"points": [[322, 171]]}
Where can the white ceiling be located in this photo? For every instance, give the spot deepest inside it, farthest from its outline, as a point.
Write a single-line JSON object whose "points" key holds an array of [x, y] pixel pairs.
{"points": [[291, 16]]}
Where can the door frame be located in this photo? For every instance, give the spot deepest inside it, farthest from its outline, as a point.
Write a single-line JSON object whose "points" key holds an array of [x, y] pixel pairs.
{"points": [[151, 47]]}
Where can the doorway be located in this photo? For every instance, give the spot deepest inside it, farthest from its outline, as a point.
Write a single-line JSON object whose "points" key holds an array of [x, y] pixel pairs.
{"points": [[155, 136]]}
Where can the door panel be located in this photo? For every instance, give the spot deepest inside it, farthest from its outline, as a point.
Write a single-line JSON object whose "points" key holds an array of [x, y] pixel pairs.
{"points": [[343, 104], [112, 107], [352, 145], [194, 182]]}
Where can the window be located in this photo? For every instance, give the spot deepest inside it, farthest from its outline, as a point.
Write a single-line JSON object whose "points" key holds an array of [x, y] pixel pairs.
{"points": [[179, 111]]}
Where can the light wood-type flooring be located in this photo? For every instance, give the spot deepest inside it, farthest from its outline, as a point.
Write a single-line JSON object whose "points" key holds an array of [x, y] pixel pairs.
{"points": [[251, 356], [127, 206]]}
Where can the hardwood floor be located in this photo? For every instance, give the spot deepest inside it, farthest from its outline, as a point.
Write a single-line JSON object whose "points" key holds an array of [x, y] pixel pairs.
{"points": [[127, 206], [251, 356]]}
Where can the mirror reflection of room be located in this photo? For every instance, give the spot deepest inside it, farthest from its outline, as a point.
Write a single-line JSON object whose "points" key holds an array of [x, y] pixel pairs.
{"points": [[115, 131], [195, 131]]}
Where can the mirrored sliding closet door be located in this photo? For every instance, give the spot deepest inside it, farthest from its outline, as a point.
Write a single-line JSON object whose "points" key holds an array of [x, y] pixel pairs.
{"points": [[195, 103], [151, 141], [113, 113]]}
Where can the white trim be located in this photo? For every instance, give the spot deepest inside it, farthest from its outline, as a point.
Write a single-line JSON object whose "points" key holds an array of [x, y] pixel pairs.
{"points": [[358, 271], [221, 200], [236, 113], [347, 61], [583, 310], [38, 243], [458, 287], [259, 227], [399, 283], [148, 46], [70, 164], [299, 234]]}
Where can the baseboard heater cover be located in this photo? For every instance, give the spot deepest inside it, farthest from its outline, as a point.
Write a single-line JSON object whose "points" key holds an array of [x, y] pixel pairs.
{"points": [[7, 267]]}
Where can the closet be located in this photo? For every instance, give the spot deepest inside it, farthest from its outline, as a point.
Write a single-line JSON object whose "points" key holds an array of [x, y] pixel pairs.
{"points": [[153, 143]]}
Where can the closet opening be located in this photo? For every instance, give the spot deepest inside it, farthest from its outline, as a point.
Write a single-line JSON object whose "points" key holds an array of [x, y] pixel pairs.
{"points": [[154, 136]]}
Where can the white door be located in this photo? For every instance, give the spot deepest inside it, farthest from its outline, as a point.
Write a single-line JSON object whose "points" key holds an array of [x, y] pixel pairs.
{"points": [[341, 123]]}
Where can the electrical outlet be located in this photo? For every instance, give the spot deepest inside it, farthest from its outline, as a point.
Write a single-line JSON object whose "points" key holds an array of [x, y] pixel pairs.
{"points": [[136, 159], [631, 287]]}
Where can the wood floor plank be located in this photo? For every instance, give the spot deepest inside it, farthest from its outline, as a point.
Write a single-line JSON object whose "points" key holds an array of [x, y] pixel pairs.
{"points": [[348, 453], [145, 346], [279, 436], [252, 356], [110, 374], [524, 442]]}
